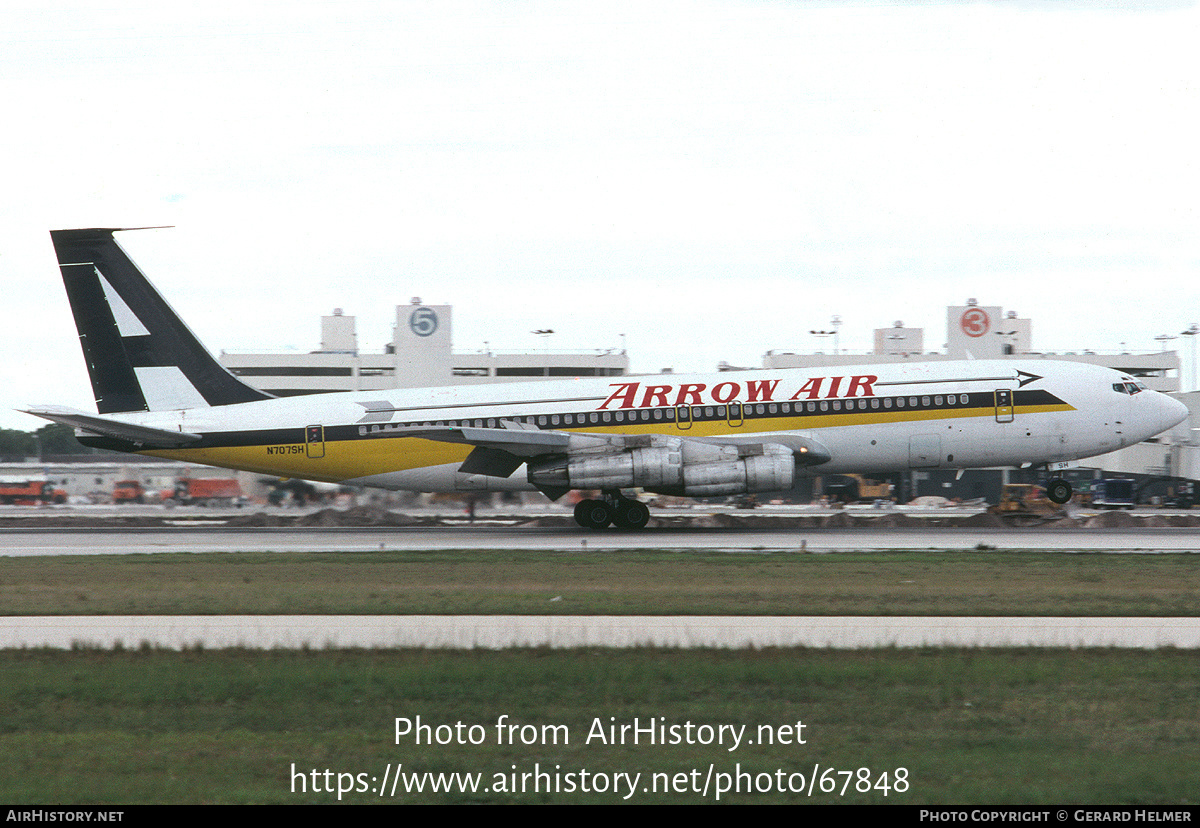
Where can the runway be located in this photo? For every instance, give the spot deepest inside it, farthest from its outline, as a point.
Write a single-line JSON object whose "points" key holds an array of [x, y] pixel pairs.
{"points": [[503, 631], [176, 632], [124, 541]]}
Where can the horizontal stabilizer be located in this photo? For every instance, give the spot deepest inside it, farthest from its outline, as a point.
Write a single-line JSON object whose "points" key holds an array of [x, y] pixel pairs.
{"points": [[105, 427]]}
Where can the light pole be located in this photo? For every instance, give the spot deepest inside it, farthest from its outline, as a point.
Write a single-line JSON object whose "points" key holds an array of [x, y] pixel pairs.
{"points": [[837, 323], [1164, 339], [1007, 346], [823, 333], [1190, 333]]}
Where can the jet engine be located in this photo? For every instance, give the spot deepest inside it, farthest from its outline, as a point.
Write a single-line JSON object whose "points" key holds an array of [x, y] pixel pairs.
{"points": [[672, 465]]}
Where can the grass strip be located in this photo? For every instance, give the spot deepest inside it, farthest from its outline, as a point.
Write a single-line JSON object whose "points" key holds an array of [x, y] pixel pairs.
{"points": [[1015, 726], [983, 582]]}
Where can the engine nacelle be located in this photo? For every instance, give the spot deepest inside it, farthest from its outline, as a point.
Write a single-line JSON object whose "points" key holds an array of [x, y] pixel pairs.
{"points": [[671, 465]]}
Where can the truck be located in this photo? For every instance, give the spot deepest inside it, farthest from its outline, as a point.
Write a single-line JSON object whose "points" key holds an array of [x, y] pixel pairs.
{"points": [[29, 492], [128, 491], [208, 491], [1114, 493]]}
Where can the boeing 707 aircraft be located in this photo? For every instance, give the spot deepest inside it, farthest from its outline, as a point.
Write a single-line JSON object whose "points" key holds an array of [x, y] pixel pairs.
{"points": [[159, 392]]}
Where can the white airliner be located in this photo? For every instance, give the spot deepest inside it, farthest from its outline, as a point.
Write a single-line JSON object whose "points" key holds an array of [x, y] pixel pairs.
{"points": [[159, 392]]}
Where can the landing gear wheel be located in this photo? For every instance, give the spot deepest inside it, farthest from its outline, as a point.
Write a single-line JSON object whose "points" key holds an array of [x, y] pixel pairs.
{"points": [[1059, 491], [593, 514], [631, 514]]}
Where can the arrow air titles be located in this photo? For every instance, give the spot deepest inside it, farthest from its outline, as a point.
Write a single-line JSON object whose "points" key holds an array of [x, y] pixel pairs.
{"points": [[637, 395]]}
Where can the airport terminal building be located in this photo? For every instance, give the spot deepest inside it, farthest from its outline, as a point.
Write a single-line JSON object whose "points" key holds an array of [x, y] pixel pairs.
{"points": [[420, 355]]}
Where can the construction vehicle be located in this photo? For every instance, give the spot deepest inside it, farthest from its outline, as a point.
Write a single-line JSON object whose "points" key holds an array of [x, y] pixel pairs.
{"points": [[1025, 501], [208, 491], [128, 491], [23, 491], [854, 488]]}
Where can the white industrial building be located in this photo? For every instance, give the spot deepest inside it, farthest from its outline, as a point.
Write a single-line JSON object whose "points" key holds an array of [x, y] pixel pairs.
{"points": [[976, 331], [420, 355]]}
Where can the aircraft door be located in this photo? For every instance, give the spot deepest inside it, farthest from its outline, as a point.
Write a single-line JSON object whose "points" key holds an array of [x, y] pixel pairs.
{"points": [[314, 439], [1004, 405], [733, 414], [683, 417]]}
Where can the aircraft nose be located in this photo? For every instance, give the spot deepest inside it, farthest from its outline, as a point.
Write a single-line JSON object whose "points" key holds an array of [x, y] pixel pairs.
{"points": [[1176, 412], [1168, 412]]}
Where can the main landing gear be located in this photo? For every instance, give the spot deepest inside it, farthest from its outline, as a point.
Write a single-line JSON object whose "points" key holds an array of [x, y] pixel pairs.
{"points": [[1059, 491], [621, 512]]}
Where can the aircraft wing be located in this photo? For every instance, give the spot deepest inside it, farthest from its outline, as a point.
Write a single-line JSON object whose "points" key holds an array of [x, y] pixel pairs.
{"points": [[500, 451], [561, 460], [107, 427]]}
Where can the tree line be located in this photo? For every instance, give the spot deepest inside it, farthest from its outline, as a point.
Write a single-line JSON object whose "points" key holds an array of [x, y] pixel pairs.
{"points": [[54, 438]]}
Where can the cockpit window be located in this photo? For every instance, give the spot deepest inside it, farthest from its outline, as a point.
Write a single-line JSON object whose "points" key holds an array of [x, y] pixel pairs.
{"points": [[1119, 387], [1132, 388], [1129, 387]]}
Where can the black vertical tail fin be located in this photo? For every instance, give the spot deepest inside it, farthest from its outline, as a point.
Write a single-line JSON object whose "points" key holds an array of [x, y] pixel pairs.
{"points": [[140, 355]]}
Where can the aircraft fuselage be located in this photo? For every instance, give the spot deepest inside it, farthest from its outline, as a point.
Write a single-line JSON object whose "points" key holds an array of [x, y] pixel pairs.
{"points": [[869, 418]]}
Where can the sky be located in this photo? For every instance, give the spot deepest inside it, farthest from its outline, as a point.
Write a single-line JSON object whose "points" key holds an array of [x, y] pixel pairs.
{"points": [[700, 181]]}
